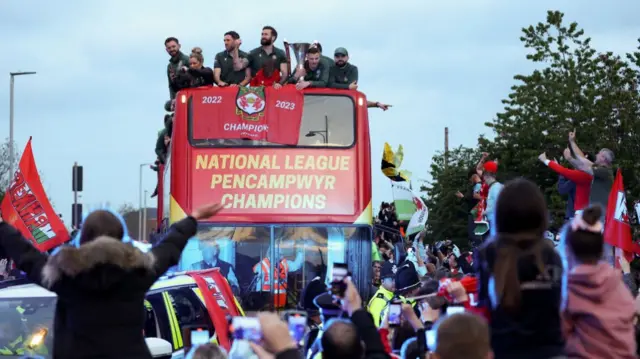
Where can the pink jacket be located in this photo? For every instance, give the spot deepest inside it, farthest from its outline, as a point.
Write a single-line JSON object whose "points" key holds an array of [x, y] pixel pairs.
{"points": [[598, 319]]}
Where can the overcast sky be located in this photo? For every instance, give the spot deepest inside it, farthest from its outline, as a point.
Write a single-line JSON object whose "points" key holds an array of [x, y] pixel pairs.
{"points": [[98, 96]]}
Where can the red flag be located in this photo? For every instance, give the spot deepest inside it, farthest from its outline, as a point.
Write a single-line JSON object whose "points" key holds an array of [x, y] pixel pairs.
{"points": [[617, 229], [256, 113], [26, 207]]}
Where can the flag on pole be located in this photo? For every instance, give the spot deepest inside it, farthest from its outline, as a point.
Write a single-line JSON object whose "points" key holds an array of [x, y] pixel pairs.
{"points": [[26, 207], [617, 229]]}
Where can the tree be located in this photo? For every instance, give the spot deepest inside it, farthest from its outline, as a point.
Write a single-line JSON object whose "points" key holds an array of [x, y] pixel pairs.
{"points": [[447, 218], [5, 165], [577, 87], [126, 208]]}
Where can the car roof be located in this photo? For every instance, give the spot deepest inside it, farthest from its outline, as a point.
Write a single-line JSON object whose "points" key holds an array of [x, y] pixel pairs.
{"points": [[173, 280], [25, 290]]}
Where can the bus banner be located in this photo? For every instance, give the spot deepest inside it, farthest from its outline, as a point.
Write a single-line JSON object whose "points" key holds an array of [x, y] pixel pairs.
{"points": [[269, 181], [255, 113]]}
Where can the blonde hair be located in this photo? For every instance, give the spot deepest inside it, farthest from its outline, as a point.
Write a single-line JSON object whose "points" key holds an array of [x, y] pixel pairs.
{"points": [[196, 53]]}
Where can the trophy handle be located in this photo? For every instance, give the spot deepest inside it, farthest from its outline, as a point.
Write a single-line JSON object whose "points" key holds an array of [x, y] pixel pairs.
{"points": [[288, 55]]}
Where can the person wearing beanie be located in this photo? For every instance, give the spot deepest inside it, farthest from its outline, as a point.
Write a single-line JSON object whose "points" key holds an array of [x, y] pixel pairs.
{"points": [[600, 310], [493, 187], [328, 310]]}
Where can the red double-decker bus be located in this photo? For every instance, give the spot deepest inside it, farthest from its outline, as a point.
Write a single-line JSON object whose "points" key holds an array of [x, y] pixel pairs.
{"points": [[296, 188]]}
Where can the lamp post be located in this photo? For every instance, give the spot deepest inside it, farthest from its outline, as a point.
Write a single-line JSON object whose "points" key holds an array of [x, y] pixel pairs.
{"points": [[11, 83], [324, 133], [140, 196]]}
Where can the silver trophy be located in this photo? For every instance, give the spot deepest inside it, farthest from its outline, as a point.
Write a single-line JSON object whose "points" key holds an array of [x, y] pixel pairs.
{"points": [[300, 50]]}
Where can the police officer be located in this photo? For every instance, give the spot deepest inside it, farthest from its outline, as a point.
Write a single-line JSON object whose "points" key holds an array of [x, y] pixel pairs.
{"points": [[328, 310], [407, 284], [385, 293]]}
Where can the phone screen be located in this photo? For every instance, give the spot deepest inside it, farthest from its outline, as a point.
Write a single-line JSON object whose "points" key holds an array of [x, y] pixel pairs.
{"points": [[454, 310], [246, 328], [395, 312], [199, 337], [297, 326], [338, 274], [430, 339]]}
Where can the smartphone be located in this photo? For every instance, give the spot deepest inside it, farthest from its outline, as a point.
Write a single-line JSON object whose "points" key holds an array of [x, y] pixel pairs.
{"points": [[395, 313], [430, 339], [199, 337], [454, 309], [339, 273], [246, 328], [297, 322]]}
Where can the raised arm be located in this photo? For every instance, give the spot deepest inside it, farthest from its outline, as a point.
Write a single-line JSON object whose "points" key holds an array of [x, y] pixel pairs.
{"points": [[582, 163], [480, 164], [26, 257], [167, 253]]}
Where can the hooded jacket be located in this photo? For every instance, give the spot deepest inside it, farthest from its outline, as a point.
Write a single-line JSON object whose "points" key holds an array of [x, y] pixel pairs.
{"points": [[101, 286], [598, 319]]}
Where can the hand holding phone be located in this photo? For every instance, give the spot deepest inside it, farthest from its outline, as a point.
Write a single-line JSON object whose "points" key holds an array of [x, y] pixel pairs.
{"points": [[297, 323], [246, 328], [338, 275], [395, 314]]}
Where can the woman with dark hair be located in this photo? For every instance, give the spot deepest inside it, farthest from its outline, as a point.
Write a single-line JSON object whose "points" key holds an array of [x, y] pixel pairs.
{"points": [[520, 277], [101, 282]]}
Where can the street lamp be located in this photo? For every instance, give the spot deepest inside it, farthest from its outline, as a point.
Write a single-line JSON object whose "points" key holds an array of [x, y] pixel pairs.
{"points": [[140, 195], [11, 154], [324, 133]]}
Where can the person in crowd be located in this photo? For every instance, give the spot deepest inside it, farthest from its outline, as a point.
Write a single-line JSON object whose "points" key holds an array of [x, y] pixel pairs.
{"points": [[207, 351], [376, 281], [462, 335], [567, 188], [581, 179], [268, 75], [490, 169], [176, 61], [196, 74], [276, 340], [229, 68], [210, 250], [598, 316], [385, 292], [102, 266], [267, 49], [365, 344], [602, 174], [520, 274], [472, 200], [314, 74], [315, 288], [329, 309], [343, 75]]}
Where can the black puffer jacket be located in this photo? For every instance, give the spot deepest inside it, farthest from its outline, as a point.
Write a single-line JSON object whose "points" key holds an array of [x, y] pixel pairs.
{"points": [[101, 287]]}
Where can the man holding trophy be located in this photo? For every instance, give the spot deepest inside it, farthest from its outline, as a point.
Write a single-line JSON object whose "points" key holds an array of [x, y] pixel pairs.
{"points": [[310, 72]]}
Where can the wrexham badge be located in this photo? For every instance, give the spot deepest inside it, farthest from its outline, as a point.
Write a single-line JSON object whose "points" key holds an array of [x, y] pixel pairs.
{"points": [[250, 103]]}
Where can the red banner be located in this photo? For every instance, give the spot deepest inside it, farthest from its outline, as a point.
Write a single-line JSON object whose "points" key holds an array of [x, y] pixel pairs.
{"points": [[27, 208], [254, 113]]}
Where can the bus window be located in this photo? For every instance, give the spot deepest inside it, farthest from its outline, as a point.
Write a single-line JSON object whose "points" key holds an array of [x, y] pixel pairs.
{"points": [[237, 252], [327, 121], [320, 247]]}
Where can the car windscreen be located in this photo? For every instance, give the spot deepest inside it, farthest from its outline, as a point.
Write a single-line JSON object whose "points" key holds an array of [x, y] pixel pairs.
{"points": [[26, 326]]}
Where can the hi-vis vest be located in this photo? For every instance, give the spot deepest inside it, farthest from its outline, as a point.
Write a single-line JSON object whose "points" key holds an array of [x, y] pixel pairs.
{"points": [[279, 281]]}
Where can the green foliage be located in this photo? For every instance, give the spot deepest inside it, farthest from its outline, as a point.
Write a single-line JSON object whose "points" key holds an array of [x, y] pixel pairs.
{"points": [[574, 87], [447, 218]]}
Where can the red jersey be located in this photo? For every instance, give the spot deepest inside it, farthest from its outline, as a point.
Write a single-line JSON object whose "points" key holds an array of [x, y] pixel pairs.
{"points": [[582, 181], [261, 80]]}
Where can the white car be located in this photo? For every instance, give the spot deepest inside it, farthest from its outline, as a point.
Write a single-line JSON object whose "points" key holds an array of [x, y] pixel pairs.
{"points": [[173, 303]]}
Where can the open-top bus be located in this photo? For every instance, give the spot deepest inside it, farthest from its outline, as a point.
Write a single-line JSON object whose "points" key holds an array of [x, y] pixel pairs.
{"points": [[293, 170]]}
